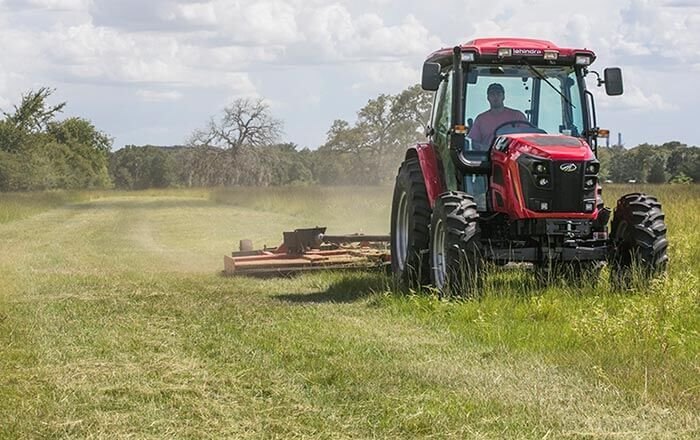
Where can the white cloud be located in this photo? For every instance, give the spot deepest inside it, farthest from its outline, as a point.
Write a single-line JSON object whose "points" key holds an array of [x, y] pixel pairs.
{"points": [[98, 54], [4, 96], [387, 77], [238, 84], [198, 13], [682, 4], [642, 94], [647, 28], [268, 22], [61, 5], [635, 99], [158, 95], [338, 52]]}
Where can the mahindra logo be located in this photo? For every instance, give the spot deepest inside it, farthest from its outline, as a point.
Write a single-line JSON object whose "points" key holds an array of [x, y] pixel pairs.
{"points": [[568, 167], [531, 52]]}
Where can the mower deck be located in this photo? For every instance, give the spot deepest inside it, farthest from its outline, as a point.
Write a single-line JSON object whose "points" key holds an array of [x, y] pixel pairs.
{"points": [[310, 249]]}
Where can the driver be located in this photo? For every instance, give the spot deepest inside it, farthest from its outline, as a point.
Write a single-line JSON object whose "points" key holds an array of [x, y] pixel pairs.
{"points": [[482, 131]]}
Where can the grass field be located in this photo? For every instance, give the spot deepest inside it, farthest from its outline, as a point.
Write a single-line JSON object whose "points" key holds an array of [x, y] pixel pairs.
{"points": [[115, 323]]}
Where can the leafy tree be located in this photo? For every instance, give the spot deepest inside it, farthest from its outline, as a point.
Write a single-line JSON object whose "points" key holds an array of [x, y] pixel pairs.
{"points": [[372, 147], [34, 114], [606, 156], [650, 163], [88, 150], [135, 167], [657, 169], [682, 179], [42, 153]]}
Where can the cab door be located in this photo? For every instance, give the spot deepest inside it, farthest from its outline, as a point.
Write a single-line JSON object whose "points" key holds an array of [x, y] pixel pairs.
{"points": [[442, 125]]}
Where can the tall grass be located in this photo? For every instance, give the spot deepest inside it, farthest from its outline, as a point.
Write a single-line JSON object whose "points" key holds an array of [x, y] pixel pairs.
{"points": [[644, 342], [16, 206], [114, 323]]}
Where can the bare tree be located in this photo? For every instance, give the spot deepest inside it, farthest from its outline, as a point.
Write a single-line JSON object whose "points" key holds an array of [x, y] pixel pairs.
{"points": [[230, 142], [245, 122]]}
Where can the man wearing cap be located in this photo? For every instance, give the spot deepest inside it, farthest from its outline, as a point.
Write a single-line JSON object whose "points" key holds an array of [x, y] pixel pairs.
{"points": [[482, 131]]}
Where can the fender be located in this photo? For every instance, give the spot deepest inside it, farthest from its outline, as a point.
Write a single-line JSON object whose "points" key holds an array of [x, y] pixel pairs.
{"points": [[429, 165]]}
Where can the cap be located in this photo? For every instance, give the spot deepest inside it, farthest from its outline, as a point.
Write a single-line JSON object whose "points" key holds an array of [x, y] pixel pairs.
{"points": [[495, 87]]}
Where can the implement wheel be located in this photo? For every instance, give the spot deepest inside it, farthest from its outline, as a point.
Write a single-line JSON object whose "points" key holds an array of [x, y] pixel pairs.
{"points": [[410, 220]]}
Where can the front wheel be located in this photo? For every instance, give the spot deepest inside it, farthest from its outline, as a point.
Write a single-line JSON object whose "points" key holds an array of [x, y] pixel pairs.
{"points": [[455, 258], [638, 234]]}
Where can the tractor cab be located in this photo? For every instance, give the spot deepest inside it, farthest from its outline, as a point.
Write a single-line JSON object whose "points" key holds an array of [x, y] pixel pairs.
{"points": [[489, 88], [510, 171]]}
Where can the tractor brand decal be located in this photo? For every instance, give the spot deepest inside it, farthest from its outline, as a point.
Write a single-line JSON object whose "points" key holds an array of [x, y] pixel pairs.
{"points": [[568, 167], [528, 52]]}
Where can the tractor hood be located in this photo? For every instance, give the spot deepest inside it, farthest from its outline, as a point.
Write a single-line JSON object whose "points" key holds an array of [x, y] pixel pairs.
{"points": [[550, 146]]}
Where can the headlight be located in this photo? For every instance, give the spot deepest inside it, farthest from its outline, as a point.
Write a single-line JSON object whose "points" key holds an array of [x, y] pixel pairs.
{"points": [[583, 60], [592, 168], [467, 57], [540, 168], [505, 52], [551, 54]]}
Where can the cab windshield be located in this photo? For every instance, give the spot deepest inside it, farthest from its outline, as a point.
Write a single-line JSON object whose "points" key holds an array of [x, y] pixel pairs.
{"points": [[540, 99]]}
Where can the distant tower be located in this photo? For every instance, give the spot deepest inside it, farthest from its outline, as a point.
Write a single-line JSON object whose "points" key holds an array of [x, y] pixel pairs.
{"points": [[619, 139]]}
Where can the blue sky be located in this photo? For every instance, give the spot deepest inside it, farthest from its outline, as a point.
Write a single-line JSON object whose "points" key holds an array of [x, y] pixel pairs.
{"points": [[154, 71]]}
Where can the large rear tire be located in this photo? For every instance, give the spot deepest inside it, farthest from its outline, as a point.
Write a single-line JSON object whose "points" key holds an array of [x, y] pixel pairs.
{"points": [[455, 257], [638, 234], [410, 220]]}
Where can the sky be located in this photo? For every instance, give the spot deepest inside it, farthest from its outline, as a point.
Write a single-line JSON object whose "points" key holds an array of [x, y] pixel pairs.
{"points": [[153, 71]]}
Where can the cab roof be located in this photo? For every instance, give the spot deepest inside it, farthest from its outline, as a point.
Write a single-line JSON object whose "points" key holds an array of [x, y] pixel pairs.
{"points": [[487, 49]]}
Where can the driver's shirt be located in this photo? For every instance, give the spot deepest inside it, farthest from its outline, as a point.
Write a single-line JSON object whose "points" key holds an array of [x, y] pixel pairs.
{"points": [[482, 131]]}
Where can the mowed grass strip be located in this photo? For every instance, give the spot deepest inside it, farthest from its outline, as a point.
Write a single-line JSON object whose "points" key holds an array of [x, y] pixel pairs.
{"points": [[126, 329]]}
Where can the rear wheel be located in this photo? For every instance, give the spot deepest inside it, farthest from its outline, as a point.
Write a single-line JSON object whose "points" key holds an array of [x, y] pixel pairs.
{"points": [[410, 220], [638, 234], [454, 251]]}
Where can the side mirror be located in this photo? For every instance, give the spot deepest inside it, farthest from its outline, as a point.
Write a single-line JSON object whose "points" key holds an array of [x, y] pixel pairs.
{"points": [[613, 81], [431, 77]]}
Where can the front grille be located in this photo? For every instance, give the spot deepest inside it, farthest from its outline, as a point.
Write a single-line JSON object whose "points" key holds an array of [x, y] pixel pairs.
{"points": [[567, 194], [565, 191]]}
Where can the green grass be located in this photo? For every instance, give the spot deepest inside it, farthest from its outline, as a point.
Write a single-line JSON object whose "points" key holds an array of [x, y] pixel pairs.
{"points": [[17, 206], [115, 322]]}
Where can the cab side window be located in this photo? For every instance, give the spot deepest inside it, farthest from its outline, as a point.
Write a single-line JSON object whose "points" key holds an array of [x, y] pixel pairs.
{"points": [[442, 110]]}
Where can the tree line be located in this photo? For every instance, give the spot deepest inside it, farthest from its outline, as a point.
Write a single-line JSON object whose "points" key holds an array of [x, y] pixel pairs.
{"points": [[244, 146], [672, 162], [39, 152]]}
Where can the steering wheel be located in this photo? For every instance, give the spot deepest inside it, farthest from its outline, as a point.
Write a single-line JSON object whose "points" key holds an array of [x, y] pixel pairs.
{"points": [[516, 122]]}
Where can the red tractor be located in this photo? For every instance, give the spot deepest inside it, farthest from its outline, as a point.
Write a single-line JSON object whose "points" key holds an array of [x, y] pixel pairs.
{"points": [[515, 183]]}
